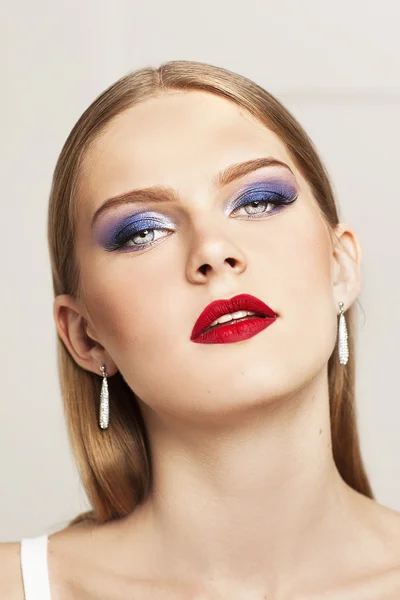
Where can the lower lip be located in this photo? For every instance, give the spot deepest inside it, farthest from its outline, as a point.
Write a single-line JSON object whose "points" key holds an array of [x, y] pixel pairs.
{"points": [[235, 332]]}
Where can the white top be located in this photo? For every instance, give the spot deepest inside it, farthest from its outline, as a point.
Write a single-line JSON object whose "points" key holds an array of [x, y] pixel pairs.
{"points": [[35, 570]]}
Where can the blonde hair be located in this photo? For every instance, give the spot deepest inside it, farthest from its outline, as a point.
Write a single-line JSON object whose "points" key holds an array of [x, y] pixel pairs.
{"points": [[115, 464]]}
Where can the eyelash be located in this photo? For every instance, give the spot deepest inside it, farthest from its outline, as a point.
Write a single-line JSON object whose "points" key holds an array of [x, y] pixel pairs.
{"points": [[278, 201]]}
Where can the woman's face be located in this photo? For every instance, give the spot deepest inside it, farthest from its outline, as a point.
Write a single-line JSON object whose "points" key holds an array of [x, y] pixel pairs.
{"points": [[206, 242]]}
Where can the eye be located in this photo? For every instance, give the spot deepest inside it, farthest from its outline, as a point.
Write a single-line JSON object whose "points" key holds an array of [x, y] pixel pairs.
{"points": [[136, 236], [143, 237], [256, 207], [260, 204]]}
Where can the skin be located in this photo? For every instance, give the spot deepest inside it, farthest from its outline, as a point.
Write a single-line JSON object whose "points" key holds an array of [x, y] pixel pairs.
{"points": [[247, 501]]}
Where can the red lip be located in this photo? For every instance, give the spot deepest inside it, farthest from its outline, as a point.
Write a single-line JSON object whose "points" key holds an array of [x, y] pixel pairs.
{"points": [[220, 307]]}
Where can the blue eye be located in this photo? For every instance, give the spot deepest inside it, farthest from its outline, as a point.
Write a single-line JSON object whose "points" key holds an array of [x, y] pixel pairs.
{"points": [[259, 203], [135, 236], [144, 237]]}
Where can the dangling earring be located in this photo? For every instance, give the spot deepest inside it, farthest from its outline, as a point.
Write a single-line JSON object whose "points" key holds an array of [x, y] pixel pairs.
{"points": [[104, 404], [343, 343]]}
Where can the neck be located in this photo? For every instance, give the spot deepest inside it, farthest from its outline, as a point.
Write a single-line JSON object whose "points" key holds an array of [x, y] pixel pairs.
{"points": [[257, 504]]}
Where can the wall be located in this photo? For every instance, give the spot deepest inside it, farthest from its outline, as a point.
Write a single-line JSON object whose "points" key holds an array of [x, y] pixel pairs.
{"points": [[335, 65]]}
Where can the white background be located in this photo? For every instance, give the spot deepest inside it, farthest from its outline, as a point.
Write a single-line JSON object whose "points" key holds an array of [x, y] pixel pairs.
{"points": [[335, 65]]}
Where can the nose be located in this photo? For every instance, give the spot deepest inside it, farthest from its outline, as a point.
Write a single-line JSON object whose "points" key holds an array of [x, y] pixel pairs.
{"points": [[212, 255]]}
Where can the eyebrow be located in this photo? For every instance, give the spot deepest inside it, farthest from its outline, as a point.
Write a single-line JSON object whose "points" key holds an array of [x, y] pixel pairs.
{"points": [[168, 194]]}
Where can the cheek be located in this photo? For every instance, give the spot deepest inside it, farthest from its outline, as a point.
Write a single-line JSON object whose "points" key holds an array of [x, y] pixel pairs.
{"points": [[132, 303], [309, 321], [305, 254], [293, 256]]}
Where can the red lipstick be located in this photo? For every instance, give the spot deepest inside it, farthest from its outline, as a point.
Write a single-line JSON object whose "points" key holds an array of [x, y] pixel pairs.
{"points": [[237, 329]]}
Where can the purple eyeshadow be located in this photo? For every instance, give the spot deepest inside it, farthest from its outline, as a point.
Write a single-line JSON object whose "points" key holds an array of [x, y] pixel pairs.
{"points": [[117, 229]]}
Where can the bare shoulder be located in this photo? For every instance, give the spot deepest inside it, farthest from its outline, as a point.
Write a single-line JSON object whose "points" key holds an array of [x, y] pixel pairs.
{"points": [[91, 562], [11, 586], [386, 523], [381, 577], [384, 528]]}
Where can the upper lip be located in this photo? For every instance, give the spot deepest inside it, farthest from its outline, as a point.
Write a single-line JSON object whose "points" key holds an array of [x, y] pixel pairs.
{"points": [[217, 308]]}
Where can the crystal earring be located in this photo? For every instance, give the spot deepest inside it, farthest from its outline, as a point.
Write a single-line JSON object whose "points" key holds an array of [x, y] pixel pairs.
{"points": [[343, 338], [104, 398]]}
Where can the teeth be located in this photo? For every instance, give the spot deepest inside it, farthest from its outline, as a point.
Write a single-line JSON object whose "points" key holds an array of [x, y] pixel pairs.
{"points": [[239, 314]]}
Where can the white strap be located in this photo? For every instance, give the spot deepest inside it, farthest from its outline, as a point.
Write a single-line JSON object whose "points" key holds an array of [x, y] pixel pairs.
{"points": [[35, 570]]}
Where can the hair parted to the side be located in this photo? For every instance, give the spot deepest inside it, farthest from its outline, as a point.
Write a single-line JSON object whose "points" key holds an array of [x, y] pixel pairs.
{"points": [[115, 464]]}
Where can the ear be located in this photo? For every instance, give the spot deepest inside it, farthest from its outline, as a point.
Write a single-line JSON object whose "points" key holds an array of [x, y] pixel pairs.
{"points": [[346, 257], [72, 327]]}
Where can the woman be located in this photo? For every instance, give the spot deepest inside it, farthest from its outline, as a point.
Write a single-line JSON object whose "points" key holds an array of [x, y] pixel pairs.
{"points": [[204, 298]]}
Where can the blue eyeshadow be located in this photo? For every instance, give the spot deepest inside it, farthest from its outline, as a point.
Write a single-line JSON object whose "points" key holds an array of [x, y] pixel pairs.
{"points": [[118, 229], [280, 187]]}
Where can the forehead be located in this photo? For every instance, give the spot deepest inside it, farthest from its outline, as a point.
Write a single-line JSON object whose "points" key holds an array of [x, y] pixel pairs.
{"points": [[179, 139]]}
